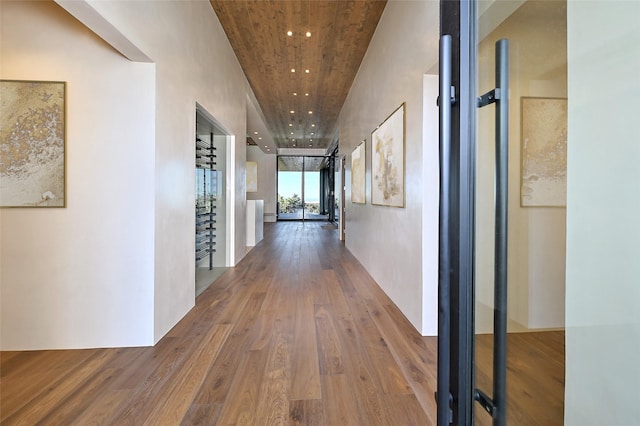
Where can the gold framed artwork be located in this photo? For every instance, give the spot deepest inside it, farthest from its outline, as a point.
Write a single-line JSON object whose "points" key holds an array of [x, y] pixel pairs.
{"points": [[32, 143], [252, 176], [387, 160], [544, 152], [358, 173]]}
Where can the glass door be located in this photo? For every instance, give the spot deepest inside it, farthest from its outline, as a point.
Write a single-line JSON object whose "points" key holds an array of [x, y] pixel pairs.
{"points": [[312, 188], [303, 188], [533, 194], [504, 210], [290, 188]]}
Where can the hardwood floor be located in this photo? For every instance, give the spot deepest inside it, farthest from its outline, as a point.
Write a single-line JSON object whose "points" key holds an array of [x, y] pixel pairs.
{"points": [[297, 333], [535, 377]]}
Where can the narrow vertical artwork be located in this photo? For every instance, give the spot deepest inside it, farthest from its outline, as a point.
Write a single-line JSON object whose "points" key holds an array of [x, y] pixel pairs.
{"points": [[387, 161], [32, 144], [544, 152], [358, 173], [252, 176]]}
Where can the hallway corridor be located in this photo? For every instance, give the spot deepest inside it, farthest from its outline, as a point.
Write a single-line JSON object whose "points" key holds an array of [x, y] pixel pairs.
{"points": [[297, 333]]}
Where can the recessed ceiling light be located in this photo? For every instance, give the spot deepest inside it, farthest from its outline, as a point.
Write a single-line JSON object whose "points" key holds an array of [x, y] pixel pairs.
{"points": [[306, 94], [255, 133], [313, 125], [289, 33], [294, 144], [292, 112], [308, 34], [307, 71], [266, 146], [290, 124], [291, 132], [310, 144], [293, 70], [260, 138], [310, 112], [312, 133], [295, 94]]}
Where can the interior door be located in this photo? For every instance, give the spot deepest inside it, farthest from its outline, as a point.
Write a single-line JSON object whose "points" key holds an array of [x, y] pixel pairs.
{"points": [[531, 290], [503, 120]]}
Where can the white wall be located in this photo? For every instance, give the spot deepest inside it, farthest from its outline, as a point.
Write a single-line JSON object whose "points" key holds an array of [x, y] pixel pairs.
{"points": [[388, 241], [195, 63], [123, 249], [430, 211], [603, 231], [267, 170], [82, 276]]}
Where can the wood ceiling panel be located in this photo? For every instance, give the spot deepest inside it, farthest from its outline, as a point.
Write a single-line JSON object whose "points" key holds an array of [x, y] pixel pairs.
{"points": [[296, 164], [340, 34]]}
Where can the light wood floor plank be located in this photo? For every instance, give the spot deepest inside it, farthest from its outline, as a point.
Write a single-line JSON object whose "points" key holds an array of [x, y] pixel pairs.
{"points": [[101, 410], [241, 402], [306, 412], [81, 399], [273, 397], [177, 400], [329, 346], [202, 415], [58, 392], [38, 368], [340, 404], [305, 377]]}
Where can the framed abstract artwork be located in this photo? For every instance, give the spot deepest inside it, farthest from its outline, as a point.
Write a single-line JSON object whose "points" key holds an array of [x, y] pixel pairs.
{"points": [[358, 173], [387, 160], [544, 152], [32, 143], [252, 176]]}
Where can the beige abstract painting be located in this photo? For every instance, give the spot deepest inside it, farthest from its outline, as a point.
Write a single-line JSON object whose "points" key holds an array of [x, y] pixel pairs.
{"points": [[358, 173], [544, 152], [32, 144], [387, 161], [252, 176]]}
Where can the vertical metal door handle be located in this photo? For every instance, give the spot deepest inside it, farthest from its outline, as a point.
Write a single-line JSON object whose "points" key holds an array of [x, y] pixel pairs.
{"points": [[500, 96], [502, 190], [444, 280]]}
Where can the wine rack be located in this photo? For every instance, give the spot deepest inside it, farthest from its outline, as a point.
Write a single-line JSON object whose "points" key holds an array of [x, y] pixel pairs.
{"points": [[205, 201]]}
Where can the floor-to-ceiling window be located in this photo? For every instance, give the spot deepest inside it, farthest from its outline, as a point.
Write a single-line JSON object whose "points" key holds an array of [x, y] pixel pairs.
{"points": [[304, 188]]}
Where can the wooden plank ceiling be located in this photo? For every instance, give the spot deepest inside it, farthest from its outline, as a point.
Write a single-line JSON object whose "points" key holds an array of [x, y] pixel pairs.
{"points": [[300, 80]]}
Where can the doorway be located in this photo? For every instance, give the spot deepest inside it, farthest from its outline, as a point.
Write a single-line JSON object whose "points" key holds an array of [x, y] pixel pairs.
{"points": [[211, 201], [305, 188]]}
